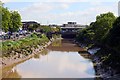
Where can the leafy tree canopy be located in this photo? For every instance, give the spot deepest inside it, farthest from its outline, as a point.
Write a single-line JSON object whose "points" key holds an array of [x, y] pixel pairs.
{"points": [[11, 20]]}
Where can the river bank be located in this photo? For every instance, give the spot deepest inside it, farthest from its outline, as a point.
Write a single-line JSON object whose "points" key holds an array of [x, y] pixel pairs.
{"points": [[105, 65], [103, 70], [23, 49], [20, 57]]}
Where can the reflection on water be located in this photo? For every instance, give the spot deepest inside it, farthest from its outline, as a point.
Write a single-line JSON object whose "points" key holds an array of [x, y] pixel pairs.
{"points": [[85, 54], [60, 62], [13, 74], [56, 43], [65, 46]]}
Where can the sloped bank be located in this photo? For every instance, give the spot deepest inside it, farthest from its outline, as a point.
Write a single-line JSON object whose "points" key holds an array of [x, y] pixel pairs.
{"points": [[25, 50], [105, 60], [107, 64]]}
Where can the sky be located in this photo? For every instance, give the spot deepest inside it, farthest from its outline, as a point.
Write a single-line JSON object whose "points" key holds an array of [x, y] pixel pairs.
{"points": [[62, 11]]}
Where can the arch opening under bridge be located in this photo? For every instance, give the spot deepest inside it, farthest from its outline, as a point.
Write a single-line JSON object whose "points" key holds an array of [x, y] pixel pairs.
{"points": [[70, 32]]}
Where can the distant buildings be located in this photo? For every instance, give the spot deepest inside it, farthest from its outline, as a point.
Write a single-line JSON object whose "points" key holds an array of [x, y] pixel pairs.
{"points": [[72, 24], [119, 8], [25, 25]]}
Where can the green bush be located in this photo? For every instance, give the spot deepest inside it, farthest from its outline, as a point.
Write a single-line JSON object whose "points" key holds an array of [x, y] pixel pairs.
{"points": [[32, 41]]}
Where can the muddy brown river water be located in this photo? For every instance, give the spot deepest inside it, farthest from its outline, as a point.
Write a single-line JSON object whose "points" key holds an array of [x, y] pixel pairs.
{"points": [[60, 60]]}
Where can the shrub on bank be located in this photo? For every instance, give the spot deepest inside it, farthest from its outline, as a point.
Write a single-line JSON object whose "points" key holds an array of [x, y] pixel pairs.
{"points": [[26, 43]]}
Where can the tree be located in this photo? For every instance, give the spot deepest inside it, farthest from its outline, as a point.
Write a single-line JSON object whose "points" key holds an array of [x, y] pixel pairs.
{"points": [[103, 24], [11, 20], [97, 30], [113, 37], [30, 27], [15, 20], [1, 4], [111, 51], [86, 35], [33, 27], [6, 22], [46, 29]]}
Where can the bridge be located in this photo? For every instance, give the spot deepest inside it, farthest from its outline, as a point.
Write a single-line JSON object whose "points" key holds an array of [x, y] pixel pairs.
{"points": [[70, 32]]}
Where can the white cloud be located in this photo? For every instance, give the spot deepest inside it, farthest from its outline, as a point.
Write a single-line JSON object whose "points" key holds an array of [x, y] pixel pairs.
{"points": [[44, 7], [95, 3], [46, 12], [4, 1], [40, 11], [65, 6], [38, 8], [60, 0]]}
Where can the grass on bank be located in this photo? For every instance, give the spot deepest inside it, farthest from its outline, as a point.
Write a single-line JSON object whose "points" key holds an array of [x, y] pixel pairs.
{"points": [[31, 41]]}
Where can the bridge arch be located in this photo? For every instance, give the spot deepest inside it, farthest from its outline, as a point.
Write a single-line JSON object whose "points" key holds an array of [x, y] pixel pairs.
{"points": [[70, 32]]}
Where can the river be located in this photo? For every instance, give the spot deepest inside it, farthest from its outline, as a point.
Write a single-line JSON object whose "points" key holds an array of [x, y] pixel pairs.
{"points": [[62, 59]]}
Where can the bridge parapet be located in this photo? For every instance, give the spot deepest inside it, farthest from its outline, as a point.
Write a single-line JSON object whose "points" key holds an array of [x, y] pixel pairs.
{"points": [[71, 29], [70, 32]]}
